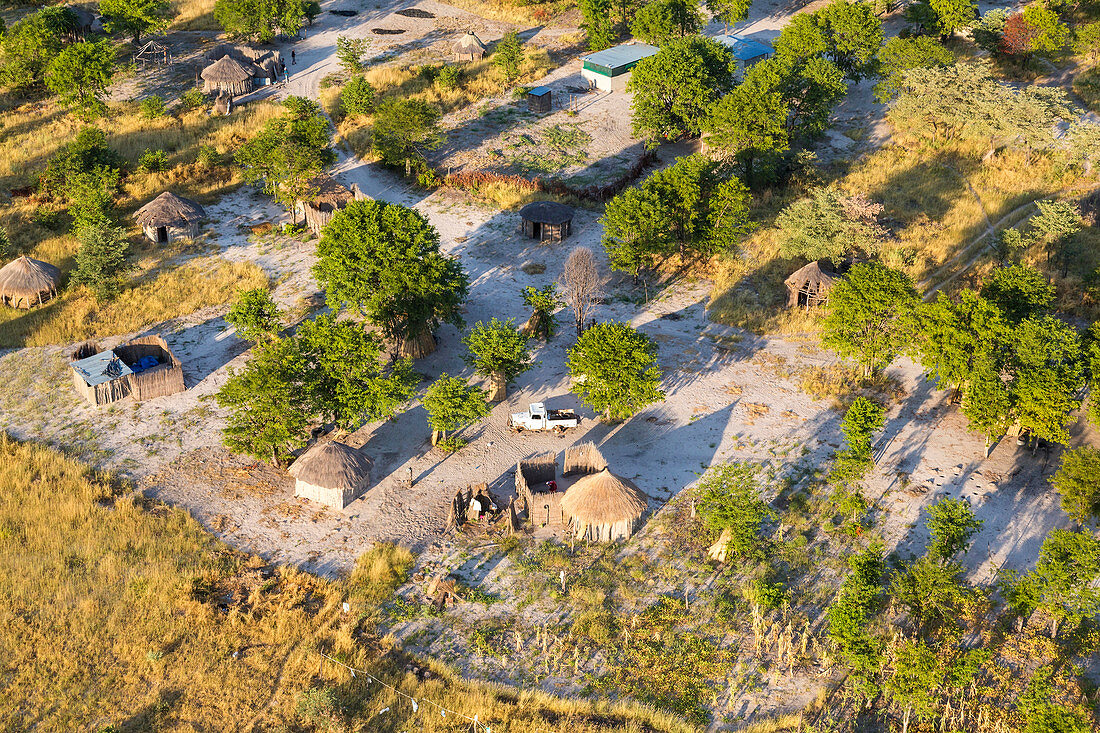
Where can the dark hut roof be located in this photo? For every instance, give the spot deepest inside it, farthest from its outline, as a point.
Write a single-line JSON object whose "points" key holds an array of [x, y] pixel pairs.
{"points": [[547, 212], [27, 279], [817, 274], [331, 195], [603, 498], [227, 70], [469, 43], [332, 466], [168, 210]]}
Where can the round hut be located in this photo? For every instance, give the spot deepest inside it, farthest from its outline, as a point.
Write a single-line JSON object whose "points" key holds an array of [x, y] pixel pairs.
{"points": [[25, 282], [333, 473], [547, 221], [169, 217], [603, 507], [469, 48], [227, 75], [810, 285]]}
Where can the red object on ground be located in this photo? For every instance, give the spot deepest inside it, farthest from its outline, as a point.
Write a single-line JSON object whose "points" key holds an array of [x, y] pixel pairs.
{"points": [[553, 485]]}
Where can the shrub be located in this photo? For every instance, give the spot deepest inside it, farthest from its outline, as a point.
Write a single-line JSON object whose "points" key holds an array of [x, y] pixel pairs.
{"points": [[192, 99], [152, 161], [152, 107], [729, 500], [357, 97], [208, 156], [449, 77]]}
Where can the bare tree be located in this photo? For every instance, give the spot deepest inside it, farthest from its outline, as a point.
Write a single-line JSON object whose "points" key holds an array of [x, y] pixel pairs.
{"points": [[581, 285]]}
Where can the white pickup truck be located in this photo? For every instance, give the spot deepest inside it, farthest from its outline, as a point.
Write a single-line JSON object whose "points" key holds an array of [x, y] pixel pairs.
{"points": [[538, 417]]}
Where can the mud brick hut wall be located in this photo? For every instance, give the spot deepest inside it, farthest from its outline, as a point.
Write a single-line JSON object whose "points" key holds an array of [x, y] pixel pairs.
{"points": [[542, 506]]}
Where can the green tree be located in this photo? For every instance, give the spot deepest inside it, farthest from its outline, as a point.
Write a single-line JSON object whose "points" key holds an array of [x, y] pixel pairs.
{"points": [[1090, 349], [801, 39], [349, 51], [952, 16], [727, 218], [452, 404], [101, 261], [614, 370], [1078, 481], [135, 17], [152, 107], [86, 153], [859, 598], [404, 129], [730, 503], [951, 525], [384, 260], [914, 681], [899, 55], [675, 88], [867, 315], [357, 96], [954, 333], [1049, 33], [542, 302], [5, 244], [729, 11], [862, 420], [853, 35], [1053, 226], [1062, 583], [260, 20], [1043, 712], [508, 56], [1048, 375], [597, 23], [81, 73], [829, 225], [987, 402], [288, 154], [345, 376], [28, 46], [989, 30], [931, 591], [750, 123], [91, 199], [498, 351], [255, 315], [636, 229], [659, 21], [269, 413], [1019, 291]]}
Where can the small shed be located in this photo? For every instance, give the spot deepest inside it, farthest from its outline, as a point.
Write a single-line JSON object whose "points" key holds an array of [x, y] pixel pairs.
{"points": [[746, 51], [603, 507], [469, 48], [331, 197], [547, 221], [540, 99], [143, 369], [169, 217], [536, 483], [810, 285], [332, 473], [25, 282], [609, 70], [227, 75]]}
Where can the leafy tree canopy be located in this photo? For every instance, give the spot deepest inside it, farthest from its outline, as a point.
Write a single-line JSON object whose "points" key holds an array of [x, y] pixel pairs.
{"points": [[405, 128], [452, 404], [1019, 291], [357, 96], [828, 225], [868, 315], [614, 370], [1078, 481], [260, 20], [729, 11], [135, 17], [659, 21], [730, 503], [951, 524], [1048, 375], [1062, 582], [954, 333], [543, 302], [498, 350], [598, 24], [101, 261], [255, 315], [81, 73], [28, 47], [508, 56], [899, 55]]}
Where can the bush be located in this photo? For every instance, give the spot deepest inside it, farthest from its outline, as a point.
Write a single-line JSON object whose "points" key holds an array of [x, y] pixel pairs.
{"points": [[449, 77], [357, 97], [152, 161], [208, 156], [152, 107], [318, 706], [192, 99], [729, 500]]}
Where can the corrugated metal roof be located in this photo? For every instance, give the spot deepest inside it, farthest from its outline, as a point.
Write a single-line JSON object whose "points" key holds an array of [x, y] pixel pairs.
{"points": [[103, 367], [744, 49], [628, 53], [539, 91]]}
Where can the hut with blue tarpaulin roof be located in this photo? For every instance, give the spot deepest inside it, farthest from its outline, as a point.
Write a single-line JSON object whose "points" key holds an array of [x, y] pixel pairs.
{"points": [[143, 369], [746, 50], [609, 70]]}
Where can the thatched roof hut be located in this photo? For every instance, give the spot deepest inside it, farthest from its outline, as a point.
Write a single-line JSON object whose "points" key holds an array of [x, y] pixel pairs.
{"points": [[264, 65], [469, 48], [331, 197], [547, 221], [810, 285], [333, 473], [25, 282], [229, 75], [169, 217], [143, 369], [603, 507]]}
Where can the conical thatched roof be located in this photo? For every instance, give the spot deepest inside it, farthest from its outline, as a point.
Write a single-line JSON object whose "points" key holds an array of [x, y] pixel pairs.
{"points": [[26, 282], [815, 274], [226, 70], [603, 498], [547, 212], [469, 43], [169, 210], [332, 466]]}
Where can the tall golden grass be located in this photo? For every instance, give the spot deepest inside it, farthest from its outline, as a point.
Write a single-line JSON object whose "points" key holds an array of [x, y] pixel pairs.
{"points": [[194, 15], [122, 612]]}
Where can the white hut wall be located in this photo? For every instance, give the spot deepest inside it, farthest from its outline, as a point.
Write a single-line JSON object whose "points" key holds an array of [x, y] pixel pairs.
{"points": [[335, 498]]}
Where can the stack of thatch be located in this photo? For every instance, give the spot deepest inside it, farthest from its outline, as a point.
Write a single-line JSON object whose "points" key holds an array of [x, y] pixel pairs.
{"points": [[228, 75], [25, 282], [810, 285], [603, 507], [469, 48], [334, 473]]}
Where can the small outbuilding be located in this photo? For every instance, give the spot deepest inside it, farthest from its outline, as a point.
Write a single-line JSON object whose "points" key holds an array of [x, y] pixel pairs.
{"points": [[547, 221], [809, 286], [540, 99], [143, 369], [333, 473], [609, 70], [331, 197], [469, 48], [169, 217], [603, 507], [746, 51], [25, 282], [227, 75]]}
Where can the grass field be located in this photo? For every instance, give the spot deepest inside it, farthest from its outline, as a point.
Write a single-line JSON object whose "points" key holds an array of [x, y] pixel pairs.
{"points": [[124, 615]]}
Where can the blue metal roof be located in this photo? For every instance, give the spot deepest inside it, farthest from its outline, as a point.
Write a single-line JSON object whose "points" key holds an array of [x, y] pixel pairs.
{"points": [[101, 368], [628, 53], [539, 91], [744, 49]]}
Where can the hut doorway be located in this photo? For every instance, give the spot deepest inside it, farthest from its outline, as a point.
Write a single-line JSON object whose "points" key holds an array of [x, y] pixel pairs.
{"points": [[162, 234]]}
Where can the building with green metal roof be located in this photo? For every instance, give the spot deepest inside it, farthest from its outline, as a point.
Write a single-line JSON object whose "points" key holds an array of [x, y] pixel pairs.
{"points": [[609, 69]]}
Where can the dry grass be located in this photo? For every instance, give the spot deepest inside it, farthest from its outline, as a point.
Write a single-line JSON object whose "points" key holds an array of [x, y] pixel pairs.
{"points": [[120, 612], [194, 15], [510, 11]]}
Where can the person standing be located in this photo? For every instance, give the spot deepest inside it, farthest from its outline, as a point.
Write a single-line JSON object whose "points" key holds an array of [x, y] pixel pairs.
{"points": [[293, 57]]}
